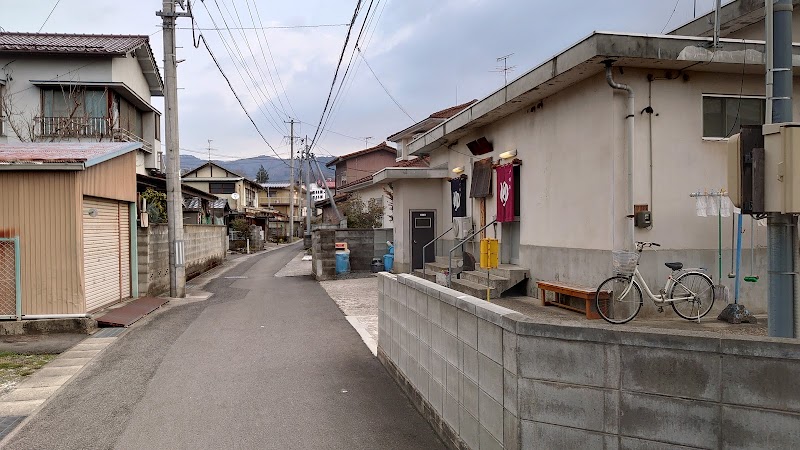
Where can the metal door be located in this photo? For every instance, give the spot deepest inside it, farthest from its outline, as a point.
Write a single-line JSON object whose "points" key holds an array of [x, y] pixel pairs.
{"points": [[422, 232]]}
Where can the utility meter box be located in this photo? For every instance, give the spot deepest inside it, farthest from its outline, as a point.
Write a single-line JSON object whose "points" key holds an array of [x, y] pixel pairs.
{"points": [[782, 167], [643, 219], [490, 254], [746, 169]]}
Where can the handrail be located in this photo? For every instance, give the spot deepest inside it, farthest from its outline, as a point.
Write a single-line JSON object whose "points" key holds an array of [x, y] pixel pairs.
{"points": [[450, 256], [426, 246]]}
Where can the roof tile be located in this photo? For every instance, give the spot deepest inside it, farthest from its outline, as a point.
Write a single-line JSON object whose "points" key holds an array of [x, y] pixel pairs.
{"points": [[99, 44]]}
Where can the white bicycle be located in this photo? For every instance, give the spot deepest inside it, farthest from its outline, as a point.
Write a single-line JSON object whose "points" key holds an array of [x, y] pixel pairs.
{"points": [[619, 298]]}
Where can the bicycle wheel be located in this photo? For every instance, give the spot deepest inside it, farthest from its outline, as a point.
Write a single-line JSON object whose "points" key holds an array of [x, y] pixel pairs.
{"points": [[617, 301], [700, 290]]}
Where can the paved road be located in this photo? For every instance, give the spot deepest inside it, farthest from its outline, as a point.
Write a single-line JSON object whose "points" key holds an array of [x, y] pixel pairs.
{"points": [[265, 363]]}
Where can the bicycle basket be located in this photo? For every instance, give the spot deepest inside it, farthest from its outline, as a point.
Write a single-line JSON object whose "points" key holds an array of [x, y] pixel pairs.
{"points": [[625, 262]]}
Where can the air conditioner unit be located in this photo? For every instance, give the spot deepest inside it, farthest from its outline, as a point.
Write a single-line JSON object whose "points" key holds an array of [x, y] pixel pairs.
{"points": [[462, 227]]}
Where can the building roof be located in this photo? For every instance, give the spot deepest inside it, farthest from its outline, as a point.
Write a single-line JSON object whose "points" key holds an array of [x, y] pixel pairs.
{"points": [[87, 45], [366, 181], [159, 183], [429, 122], [734, 16], [236, 175], [220, 203], [277, 185], [383, 146], [586, 59], [61, 155]]}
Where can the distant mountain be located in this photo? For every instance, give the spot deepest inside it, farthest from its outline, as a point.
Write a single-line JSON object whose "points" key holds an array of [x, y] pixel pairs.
{"points": [[247, 167]]}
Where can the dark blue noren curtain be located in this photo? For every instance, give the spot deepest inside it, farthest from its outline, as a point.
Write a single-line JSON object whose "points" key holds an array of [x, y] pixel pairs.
{"points": [[458, 196]]}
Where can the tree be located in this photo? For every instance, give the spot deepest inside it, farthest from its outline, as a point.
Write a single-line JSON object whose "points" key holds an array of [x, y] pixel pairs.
{"points": [[361, 215], [156, 205], [262, 176]]}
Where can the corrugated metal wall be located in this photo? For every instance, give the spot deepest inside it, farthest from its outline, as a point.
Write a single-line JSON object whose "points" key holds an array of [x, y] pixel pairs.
{"points": [[115, 179], [43, 209]]}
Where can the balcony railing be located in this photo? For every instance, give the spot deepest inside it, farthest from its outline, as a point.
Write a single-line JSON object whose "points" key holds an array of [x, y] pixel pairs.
{"points": [[87, 127], [278, 201]]}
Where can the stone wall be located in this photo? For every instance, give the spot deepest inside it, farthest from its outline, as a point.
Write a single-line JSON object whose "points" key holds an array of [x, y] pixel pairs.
{"points": [[323, 255], [205, 246], [488, 377]]}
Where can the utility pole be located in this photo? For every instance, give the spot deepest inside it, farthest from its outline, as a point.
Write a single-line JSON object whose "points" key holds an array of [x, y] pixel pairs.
{"points": [[291, 184], [309, 206], [177, 269], [781, 228]]}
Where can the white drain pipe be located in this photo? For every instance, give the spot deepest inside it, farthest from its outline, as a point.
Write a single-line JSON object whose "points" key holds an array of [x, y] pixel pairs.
{"points": [[629, 132]]}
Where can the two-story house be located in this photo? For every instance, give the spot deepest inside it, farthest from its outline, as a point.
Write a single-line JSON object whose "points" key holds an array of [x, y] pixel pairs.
{"points": [[80, 87], [279, 198], [357, 165]]}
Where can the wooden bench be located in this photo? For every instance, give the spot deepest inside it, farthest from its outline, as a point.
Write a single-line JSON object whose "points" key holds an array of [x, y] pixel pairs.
{"points": [[564, 289]]}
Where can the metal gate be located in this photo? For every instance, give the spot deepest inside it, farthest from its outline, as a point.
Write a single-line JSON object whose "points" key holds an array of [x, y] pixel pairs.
{"points": [[10, 293]]}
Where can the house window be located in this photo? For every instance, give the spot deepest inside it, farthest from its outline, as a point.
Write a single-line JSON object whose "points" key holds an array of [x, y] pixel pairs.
{"points": [[723, 116], [222, 188], [157, 126], [74, 111], [250, 197]]}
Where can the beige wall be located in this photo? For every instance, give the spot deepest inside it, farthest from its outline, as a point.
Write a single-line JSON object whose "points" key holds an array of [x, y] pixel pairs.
{"points": [[43, 210], [376, 192], [127, 70], [114, 179], [412, 195]]}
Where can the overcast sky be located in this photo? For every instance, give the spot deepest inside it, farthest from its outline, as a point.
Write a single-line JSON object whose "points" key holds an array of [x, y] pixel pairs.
{"points": [[429, 54]]}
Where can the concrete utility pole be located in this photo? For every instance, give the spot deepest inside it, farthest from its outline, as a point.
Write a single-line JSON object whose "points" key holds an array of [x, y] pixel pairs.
{"points": [[781, 228], [291, 185], [177, 269], [309, 205]]}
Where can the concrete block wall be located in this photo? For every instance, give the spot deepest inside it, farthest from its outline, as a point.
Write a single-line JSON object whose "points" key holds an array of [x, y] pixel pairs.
{"points": [[205, 246], [487, 377], [323, 254]]}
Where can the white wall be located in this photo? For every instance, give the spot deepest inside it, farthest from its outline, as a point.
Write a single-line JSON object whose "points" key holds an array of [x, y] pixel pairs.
{"points": [[127, 70], [376, 192], [412, 195]]}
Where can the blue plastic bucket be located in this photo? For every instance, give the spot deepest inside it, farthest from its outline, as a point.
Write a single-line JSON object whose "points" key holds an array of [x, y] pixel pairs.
{"points": [[342, 262], [388, 262]]}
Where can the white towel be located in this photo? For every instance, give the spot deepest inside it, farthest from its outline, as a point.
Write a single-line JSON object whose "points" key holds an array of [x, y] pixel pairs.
{"points": [[700, 206]]}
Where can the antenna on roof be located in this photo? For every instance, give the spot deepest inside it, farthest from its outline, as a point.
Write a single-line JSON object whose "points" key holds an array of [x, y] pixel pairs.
{"points": [[209, 150], [366, 141], [506, 68]]}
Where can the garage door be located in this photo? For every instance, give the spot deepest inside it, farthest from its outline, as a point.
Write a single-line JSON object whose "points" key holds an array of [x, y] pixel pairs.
{"points": [[106, 252]]}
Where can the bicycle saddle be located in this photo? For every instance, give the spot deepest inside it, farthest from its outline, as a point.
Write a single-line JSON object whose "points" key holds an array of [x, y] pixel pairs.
{"points": [[674, 265]]}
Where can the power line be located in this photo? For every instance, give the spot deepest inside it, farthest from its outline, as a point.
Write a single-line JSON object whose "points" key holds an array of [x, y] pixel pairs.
{"points": [[269, 49], [277, 27], [205, 44], [336, 72], [273, 122], [677, 2], [384, 87], [48, 16]]}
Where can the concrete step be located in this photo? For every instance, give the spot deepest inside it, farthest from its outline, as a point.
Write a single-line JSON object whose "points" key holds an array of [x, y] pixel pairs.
{"points": [[495, 281], [474, 289], [429, 275], [514, 273]]}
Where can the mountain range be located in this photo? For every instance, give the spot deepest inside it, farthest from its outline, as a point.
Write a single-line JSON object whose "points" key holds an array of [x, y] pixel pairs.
{"points": [[248, 167]]}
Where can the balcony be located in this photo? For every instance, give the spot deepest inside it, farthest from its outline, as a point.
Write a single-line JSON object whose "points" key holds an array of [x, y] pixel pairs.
{"points": [[278, 201], [87, 127]]}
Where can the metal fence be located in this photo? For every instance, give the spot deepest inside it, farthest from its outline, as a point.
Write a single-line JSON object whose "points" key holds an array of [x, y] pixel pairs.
{"points": [[10, 294]]}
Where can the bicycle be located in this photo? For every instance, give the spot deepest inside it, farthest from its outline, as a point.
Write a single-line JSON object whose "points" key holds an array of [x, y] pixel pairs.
{"points": [[619, 298]]}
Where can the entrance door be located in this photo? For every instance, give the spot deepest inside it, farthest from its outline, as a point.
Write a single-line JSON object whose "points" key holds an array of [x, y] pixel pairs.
{"points": [[422, 232], [509, 253]]}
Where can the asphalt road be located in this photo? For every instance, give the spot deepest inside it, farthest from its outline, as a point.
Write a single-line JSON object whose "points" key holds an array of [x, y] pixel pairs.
{"points": [[264, 363]]}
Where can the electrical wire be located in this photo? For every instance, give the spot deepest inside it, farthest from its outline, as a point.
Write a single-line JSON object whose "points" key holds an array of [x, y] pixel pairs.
{"points": [[48, 16], [336, 72], [272, 121], [384, 87], [741, 91], [269, 49], [196, 42], [670, 16], [277, 27]]}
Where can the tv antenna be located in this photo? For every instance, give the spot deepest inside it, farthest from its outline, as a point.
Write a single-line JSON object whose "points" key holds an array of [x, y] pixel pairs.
{"points": [[506, 68]]}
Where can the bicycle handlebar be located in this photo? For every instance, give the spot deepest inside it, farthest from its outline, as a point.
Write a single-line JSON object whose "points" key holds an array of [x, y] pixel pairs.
{"points": [[642, 244]]}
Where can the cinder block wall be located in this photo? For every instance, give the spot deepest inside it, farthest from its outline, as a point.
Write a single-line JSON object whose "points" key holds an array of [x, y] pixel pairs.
{"points": [[364, 245], [205, 246], [488, 377], [323, 254]]}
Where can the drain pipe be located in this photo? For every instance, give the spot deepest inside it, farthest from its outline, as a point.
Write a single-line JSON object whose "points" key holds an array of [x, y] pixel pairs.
{"points": [[629, 124]]}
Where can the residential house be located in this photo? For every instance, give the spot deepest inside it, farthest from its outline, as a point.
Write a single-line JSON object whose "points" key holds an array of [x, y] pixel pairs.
{"points": [[199, 207], [562, 128], [71, 208], [357, 165], [243, 196], [278, 198], [81, 88]]}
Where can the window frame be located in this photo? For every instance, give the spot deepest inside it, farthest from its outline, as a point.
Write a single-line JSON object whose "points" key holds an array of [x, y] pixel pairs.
{"points": [[724, 96], [212, 189]]}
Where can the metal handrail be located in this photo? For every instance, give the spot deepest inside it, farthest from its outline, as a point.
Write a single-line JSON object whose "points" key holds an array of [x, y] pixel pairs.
{"points": [[424, 247], [450, 256]]}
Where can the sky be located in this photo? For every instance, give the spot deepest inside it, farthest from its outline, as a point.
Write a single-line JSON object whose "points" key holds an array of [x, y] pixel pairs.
{"points": [[429, 55]]}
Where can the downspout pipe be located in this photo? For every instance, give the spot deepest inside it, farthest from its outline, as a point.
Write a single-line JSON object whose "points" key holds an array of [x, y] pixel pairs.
{"points": [[629, 136]]}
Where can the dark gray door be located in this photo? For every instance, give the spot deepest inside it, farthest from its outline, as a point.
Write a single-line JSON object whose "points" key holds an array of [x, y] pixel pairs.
{"points": [[422, 232]]}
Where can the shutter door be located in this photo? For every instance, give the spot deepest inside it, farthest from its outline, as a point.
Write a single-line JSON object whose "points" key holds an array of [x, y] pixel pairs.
{"points": [[101, 252], [124, 250]]}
